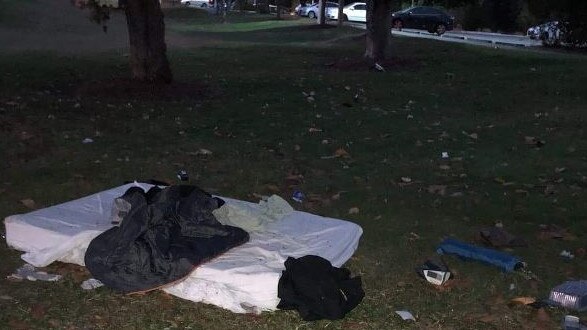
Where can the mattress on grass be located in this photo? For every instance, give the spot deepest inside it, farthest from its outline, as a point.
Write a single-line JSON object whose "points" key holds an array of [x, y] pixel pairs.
{"points": [[243, 280]]}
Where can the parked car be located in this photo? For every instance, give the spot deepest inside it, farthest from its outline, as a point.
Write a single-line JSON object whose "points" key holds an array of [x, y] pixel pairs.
{"points": [[198, 3], [356, 11], [302, 9], [553, 33], [430, 19], [312, 10], [533, 32]]}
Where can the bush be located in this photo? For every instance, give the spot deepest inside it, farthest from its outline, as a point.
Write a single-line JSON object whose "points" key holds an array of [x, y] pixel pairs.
{"points": [[472, 17], [501, 15]]}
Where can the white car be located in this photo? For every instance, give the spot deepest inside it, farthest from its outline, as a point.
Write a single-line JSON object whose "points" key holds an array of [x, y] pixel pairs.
{"points": [[197, 3], [356, 11], [313, 10]]}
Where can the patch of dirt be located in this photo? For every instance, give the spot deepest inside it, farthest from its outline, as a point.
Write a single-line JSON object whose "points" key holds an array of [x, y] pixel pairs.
{"points": [[359, 64], [129, 89], [77, 273]]}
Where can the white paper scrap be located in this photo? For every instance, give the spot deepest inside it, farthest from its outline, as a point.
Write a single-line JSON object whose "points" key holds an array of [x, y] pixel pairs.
{"points": [[405, 315]]}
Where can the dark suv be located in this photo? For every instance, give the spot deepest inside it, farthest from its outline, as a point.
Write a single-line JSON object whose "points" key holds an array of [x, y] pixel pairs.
{"points": [[423, 18]]}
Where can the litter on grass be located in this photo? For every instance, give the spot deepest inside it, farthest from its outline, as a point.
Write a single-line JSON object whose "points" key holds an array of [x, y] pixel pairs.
{"points": [[182, 175], [571, 295], [298, 196], [29, 272], [435, 272], [405, 315], [567, 254], [571, 322], [91, 284]]}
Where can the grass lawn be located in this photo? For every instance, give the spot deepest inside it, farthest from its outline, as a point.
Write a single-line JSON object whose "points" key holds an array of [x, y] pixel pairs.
{"points": [[487, 108]]}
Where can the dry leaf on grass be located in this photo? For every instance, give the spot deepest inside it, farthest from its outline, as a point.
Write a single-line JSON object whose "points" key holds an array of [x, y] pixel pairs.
{"points": [[437, 189], [354, 210], [293, 176], [533, 141], [340, 152], [29, 203], [77, 273], [522, 301], [555, 232], [317, 200], [294, 179], [490, 318]]}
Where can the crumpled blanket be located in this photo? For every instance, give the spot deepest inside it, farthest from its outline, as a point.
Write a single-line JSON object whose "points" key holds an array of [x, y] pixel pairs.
{"points": [[252, 218]]}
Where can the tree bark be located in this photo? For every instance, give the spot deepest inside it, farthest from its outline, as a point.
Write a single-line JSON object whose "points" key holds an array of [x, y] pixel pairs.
{"points": [[378, 30], [146, 32], [322, 12], [340, 13]]}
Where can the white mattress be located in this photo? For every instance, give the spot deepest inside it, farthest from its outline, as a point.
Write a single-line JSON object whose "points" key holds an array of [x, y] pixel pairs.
{"points": [[244, 279]]}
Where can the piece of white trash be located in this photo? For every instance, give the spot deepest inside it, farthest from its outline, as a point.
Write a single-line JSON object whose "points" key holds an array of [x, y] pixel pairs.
{"points": [[29, 272], [405, 315], [91, 284]]}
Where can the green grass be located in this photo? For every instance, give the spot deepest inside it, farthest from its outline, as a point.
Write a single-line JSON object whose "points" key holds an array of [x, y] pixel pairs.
{"points": [[256, 122]]}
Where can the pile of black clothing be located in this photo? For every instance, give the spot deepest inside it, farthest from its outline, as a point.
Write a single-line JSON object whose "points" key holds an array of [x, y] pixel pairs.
{"points": [[317, 290], [162, 236]]}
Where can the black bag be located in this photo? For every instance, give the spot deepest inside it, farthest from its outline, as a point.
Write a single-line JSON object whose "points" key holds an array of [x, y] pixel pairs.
{"points": [[317, 290]]}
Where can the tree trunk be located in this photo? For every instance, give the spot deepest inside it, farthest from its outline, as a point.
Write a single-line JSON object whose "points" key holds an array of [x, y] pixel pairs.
{"points": [[340, 14], [278, 8], [146, 33], [322, 12], [378, 30]]}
